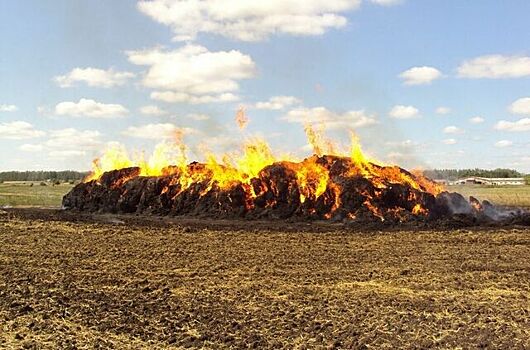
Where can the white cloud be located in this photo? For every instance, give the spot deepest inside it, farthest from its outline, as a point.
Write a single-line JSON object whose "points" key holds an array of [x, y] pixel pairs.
{"points": [[67, 143], [495, 67], [404, 112], [71, 139], [443, 110], [248, 20], [420, 75], [450, 141], [387, 2], [452, 130], [476, 120], [161, 131], [407, 159], [173, 97], [67, 153], [521, 106], [406, 144], [329, 119], [91, 109], [44, 110], [403, 152], [152, 110], [8, 108], [521, 162], [503, 143], [93, 77], [19, 130], [192, 74], [520, 125], [278, 102], [72, 143], [27, 147], [198, 116]]}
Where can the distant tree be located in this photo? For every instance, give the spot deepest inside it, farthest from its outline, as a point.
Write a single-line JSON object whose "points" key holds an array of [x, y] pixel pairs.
{"points": [[62, 176], [454, 174]]}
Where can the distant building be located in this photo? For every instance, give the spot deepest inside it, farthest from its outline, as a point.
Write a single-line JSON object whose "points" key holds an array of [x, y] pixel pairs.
{"points": [[499, 181]]}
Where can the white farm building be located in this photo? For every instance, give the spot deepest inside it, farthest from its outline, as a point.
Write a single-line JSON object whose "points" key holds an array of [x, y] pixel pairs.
{"points": [[490, 181]]}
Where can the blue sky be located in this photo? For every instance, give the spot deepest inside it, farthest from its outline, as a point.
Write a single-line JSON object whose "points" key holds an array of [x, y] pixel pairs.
{"points": [[424, 83]]}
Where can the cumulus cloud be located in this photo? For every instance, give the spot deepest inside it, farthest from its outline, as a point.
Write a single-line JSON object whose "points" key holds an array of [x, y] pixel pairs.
{"points": [[520, 125], [152, 110], [91, 109], [331, 120], [450, 141], [19, 130], [452, 130], [476, 120], [192, 74], [521, 106], [93, 77], [71, 139], [65, 143], [495, 67], [503, 143], [8, 108], [278, 102], [404, 112], [162, 131], [443, 110], [420, 75], [248, 20]]}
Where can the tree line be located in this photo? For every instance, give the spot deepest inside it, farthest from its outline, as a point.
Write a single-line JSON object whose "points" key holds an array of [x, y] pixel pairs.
{"points": [[454, 174], [66, 175]]}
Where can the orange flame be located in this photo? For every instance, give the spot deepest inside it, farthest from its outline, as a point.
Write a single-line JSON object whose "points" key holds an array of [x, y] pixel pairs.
{"points": [[225, 172], [316, 139]]}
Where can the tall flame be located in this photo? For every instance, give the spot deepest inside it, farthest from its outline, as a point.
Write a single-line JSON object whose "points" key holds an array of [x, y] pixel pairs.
{"points": [[321, 145], [229, 170]]}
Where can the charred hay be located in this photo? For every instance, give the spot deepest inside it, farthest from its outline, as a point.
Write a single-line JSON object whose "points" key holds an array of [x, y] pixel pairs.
{"points": [[276, 194]]}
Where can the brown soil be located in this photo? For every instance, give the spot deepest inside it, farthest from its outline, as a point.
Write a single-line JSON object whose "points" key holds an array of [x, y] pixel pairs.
{"points": [[75, 281]]}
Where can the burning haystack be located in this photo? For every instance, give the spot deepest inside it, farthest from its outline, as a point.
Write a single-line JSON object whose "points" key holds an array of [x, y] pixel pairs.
{"points": [[256, 185], [319, 187]]}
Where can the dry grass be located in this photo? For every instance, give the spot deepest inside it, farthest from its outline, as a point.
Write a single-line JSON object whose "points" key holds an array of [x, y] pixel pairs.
{"points": [[22, 194], [88, 285]]}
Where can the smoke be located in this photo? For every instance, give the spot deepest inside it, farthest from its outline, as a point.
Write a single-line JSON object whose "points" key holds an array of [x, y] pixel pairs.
{"points": [[241, 118], [482, 211]]}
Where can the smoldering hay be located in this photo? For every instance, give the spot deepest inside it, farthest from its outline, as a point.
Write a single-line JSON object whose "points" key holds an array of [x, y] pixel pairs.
{"points": [[321, 187]]}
